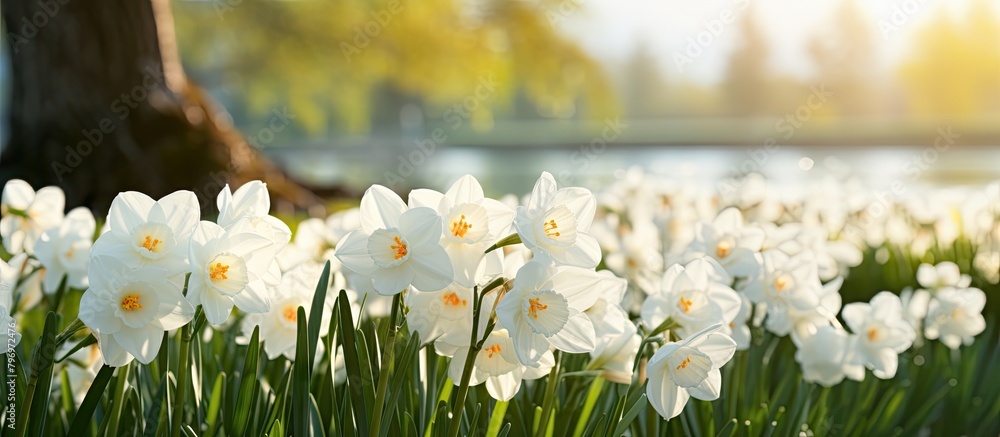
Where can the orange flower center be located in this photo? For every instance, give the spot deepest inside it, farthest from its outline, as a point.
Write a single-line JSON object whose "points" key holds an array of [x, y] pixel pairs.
{"points": [[685, 305], [131, 302], [493, 350], [550, 228], [535, 306], [683, 364], [872, 334], [399, 247], [218, 271], [151, 243], [452, 299], [460, 228], [290, 314], [723, 249]]}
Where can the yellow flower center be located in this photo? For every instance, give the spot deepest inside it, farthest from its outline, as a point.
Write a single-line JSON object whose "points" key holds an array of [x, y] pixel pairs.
{"points": [[291, 314], [550, 228], [452, 299], [218, 271], [399, 247], [460, 228], [493, 350], [781, 283], [872, 334], [683, 364], [685, 305], [723, 249], [131, 302], [151, 243], [536, 306]]}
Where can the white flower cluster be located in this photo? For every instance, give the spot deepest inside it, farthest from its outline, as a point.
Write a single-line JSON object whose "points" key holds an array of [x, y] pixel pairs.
{"points": [[150, 251], [784, 270]]}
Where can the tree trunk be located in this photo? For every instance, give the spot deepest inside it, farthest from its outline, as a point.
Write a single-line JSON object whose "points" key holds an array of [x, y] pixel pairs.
{"points": [[100, 104]]}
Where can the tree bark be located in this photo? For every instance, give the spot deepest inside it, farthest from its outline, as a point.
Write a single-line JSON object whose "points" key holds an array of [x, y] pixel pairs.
{"points": [[100, 104]]}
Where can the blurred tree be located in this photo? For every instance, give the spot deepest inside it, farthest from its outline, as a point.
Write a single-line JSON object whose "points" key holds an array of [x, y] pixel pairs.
{"points": [[100, 104], [845, 61], [956, 71], [746, 85], [334, 63], [645, 86]]}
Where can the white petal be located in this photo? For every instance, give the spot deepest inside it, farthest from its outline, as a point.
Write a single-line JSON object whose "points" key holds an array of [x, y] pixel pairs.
{"points": [[391, 281], [217, 307], [180, 210], [577, 336], [18, 194], [113, 353], [432, 270], [719, 347], [253, 299], [666, 397], [143, 343], [353, 253], [503, 387], [380, 208], [425, 198], [129, 210], [465, 190], [529, 346], [542, 193], [421, 227], [710, 388], [581, 202], [98, 314]]}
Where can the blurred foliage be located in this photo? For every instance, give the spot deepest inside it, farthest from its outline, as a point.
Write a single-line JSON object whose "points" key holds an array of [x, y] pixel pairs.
{"points": [[339, 66]]}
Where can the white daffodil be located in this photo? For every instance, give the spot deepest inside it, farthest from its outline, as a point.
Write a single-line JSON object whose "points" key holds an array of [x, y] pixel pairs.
{"points": [[955, 316], [279, 325], [555, 223], [226, 269], [316, 240], [731, 243], [26, 214], [144, 232], [827, 356], [130, 308], [64, 250], [397, 247], [688, 368], [695, 296], [786, 282], [20, 282], [497, 365], [253, 202], [444, 314], [882, 332], [639, 257], [617, 342], [942, 275], [545, 308], [471, 223]]}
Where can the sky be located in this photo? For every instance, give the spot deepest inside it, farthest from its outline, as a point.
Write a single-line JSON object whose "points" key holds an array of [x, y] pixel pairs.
{"points": [[611, 30]]}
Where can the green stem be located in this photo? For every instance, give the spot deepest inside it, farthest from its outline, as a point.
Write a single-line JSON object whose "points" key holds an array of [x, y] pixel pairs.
{"points": [[588, 407], [383, 376], [470, 360], [119, 400], [182, 376], [550, 394]]}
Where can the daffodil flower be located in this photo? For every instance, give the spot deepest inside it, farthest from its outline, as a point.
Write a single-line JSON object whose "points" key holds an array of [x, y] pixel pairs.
{"points": [[942, 275], [144, 232], [688, 368], [253, 202], [226, 269], [955, 316], [882, 332], [472, 223], [555, 223], [734, 245], [64, 250], [130, 308], [497, 365], [545, 308], [827, 356], [397, 247], [695, 296], [27, 214]]}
